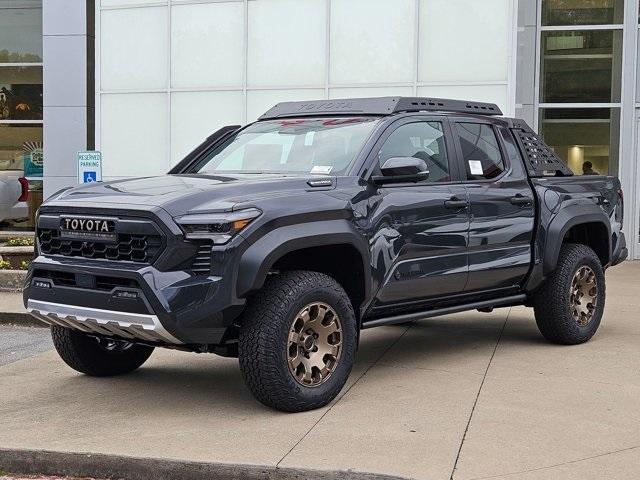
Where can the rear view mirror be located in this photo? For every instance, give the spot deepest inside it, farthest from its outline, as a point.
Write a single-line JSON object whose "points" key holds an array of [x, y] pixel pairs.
{"points": [[401, 170]]}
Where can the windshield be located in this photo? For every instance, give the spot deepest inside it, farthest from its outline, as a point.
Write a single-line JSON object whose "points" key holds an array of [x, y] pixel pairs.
{"points": [[312, 145]]}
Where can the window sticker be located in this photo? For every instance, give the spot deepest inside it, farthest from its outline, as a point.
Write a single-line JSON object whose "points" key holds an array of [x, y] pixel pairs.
{"points": [[475, 166], [322, 169]]}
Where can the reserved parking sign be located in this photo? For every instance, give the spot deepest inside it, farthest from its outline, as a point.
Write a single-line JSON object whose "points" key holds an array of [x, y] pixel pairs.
{"points": [[89, 167]]}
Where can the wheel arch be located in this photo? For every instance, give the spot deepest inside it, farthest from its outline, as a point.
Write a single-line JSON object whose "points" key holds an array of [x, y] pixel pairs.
{"points": [[583, 224], [326, 247]]}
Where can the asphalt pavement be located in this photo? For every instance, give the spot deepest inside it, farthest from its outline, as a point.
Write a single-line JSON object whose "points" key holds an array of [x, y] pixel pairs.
{"points": [[17, 343]]}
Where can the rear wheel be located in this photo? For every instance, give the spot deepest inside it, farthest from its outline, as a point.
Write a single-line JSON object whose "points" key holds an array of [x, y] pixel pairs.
{"points": [[297, 341], [98, 357], [570, 305]]}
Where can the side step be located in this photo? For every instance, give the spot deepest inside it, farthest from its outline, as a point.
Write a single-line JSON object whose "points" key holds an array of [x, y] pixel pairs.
{"points": [[409, 317]]}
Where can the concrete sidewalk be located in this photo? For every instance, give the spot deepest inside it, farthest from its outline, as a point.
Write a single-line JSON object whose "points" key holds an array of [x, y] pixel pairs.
{"points": [[467, 396]]}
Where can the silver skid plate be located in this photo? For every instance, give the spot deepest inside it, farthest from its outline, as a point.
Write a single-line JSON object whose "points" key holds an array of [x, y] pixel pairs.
{"points": [[134, 326]]}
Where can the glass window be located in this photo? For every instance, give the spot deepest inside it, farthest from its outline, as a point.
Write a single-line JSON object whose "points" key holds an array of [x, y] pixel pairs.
{"points": [[20, 156], [423, 140], [480, 151], [273, 58], [20, 93], [133, 53], [481, 48], [581, 66], [207, 45], [582, 12], [372, 41], [20, 31], [202, 122], [322, 145], [134, 134], [585, 138]]}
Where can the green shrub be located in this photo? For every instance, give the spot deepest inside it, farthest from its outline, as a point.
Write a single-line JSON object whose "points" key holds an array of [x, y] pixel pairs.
{"points": [[24, 265], [21, 242], [5, 265]]}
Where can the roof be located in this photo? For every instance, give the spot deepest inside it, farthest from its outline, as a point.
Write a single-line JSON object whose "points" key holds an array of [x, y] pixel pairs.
{"points": [[378, 106]]}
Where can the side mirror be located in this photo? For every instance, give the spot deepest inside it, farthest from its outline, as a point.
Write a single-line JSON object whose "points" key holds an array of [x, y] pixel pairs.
{"points": [[402, 170]]}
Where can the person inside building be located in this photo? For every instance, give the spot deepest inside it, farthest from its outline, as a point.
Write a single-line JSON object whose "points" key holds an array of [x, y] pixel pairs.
{"points": [[587, 169]]}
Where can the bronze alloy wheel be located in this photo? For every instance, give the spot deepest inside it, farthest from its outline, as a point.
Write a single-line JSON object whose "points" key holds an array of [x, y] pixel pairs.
{"points": [[584, 295], [314, 344]]}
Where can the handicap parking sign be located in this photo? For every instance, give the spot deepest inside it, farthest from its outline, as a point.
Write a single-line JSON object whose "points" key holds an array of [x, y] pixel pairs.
{"points": [[89, 167]]}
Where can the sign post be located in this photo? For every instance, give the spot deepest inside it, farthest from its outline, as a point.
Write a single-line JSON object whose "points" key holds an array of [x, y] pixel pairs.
{"points": [[89, 167]]}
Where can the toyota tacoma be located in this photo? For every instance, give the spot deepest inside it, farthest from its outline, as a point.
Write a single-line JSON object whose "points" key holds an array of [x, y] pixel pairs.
{"points": [[280, 241]]}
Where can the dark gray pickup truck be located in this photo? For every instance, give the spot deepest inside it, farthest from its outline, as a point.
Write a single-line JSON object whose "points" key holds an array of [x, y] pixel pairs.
{"points": [[279, 242]]}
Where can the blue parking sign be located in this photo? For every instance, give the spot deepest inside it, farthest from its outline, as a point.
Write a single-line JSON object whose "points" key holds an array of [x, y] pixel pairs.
{"points": [[89, 167]]}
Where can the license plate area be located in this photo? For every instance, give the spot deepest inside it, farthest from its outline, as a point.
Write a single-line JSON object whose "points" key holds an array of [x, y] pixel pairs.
{"points": [[88, 229]]}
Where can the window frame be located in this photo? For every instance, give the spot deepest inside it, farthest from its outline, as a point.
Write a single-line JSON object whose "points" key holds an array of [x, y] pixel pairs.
{"points": [[372, 165], [460, 157]]}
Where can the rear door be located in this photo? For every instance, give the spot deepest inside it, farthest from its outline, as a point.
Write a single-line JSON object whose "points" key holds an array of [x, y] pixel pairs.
{"points": [[501, 204], [419, 230]]}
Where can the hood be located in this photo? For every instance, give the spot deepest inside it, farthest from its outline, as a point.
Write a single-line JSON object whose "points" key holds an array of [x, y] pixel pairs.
{"points": [[183, 194]]}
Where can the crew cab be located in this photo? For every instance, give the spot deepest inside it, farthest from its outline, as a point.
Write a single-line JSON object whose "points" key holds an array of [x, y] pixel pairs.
{"points": [[280, 241]]}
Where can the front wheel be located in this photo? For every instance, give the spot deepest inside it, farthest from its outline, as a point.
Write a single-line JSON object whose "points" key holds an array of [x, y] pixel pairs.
{"points": [[98, 357], [569, 307], [297, 341]]}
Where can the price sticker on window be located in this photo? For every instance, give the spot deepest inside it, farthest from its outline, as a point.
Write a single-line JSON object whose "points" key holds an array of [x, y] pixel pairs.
{"points": [[475, 167]]}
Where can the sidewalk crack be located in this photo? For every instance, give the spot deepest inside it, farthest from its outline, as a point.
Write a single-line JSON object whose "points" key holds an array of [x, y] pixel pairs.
{"points": [[569, 462], [366, 370], [475, 402]]}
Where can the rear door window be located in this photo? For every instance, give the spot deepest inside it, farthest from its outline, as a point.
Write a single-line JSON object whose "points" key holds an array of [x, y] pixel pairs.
{"points": [[480, 151]]}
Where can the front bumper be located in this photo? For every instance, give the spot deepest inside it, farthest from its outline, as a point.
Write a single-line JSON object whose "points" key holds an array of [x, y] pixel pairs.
{"points": [[134, 302]]}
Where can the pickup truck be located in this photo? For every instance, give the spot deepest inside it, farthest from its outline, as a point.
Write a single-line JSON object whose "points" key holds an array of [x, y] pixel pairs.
{"points": [[280, 241]]}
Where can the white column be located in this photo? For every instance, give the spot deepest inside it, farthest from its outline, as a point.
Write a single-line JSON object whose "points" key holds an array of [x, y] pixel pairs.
{"points": [[67, 90]]}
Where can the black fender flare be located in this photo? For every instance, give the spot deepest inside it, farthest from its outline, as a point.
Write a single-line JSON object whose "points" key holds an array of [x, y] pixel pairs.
{"points": [[567, 218], [258, 259]]}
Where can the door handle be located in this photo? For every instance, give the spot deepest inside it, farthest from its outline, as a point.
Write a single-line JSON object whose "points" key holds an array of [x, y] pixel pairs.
{"points": [[520, 199], [456, 203]]}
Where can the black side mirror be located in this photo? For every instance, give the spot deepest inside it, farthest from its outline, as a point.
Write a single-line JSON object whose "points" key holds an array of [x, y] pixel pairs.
{"points": [[401, 170]]}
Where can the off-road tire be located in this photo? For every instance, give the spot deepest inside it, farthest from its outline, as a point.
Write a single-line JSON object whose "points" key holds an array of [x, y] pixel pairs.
{"points": [[84, 354], [552, 303], [263, 341]]}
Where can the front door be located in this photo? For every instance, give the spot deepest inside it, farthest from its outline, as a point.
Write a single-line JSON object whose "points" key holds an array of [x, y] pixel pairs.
{"points": [[419, 230]]}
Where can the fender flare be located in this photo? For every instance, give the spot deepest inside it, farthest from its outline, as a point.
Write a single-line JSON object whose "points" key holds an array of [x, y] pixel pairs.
{"points": [[258, 259], [567, 218]]}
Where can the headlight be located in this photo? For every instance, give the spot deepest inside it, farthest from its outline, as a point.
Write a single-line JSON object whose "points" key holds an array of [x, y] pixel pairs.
{"points": [[218, 227]]}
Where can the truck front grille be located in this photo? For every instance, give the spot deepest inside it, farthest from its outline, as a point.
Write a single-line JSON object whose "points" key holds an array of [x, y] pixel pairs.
{"points": [[128, 248]]}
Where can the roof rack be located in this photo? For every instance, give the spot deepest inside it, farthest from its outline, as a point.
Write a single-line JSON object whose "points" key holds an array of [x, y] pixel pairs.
{"points": [[378, 106]]}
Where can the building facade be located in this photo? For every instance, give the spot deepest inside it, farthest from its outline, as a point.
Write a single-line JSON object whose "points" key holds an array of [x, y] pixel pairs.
{"points": [[144, 81]]}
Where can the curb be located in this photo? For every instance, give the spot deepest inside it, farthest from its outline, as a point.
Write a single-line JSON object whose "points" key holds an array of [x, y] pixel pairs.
{"points": [[44, 462], [12, 280]]}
